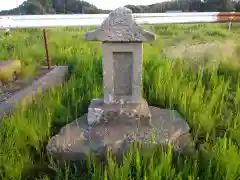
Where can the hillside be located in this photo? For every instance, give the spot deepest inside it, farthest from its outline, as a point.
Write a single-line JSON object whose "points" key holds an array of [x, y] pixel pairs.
{"points": [[53, 7], [77, 6]]}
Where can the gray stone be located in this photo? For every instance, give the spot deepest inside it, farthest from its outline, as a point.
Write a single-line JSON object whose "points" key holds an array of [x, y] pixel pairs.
{"points": [[122, 66], [184, 143], [119, 27], [99, 111], [77, 139]]}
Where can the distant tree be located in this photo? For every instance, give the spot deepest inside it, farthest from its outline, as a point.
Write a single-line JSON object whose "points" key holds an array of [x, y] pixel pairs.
{"points": [[237, 6], [79, 6], [227, 6], [32, 7], [195, 5], [219, 5], [48, 6]]}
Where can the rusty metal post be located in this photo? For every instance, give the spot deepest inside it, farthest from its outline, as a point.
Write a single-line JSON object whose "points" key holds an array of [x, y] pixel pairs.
{"points": [[49, 63]]}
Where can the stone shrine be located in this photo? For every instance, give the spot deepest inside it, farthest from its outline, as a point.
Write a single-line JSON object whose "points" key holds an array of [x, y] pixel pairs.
{"points": [[122, 116], [121, 41]]}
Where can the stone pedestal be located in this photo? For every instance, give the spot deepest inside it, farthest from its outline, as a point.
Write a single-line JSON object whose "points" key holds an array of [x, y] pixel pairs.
{"points": [[77, 139], [99, 112]]}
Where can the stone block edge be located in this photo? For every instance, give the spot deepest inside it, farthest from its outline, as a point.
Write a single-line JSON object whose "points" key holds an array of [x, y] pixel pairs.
{"points": [[55, 77]]}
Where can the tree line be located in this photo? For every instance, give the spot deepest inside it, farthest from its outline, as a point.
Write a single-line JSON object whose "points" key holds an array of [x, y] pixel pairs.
{"points": [[77, 6]]}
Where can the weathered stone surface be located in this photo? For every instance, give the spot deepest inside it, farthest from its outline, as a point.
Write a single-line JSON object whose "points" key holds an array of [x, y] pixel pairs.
{"points": [[99, 111], [119, 27], [184, 143], [122, 72], [95, 111], [54, 77], [123, 68], [77, 138], [9, 69]]}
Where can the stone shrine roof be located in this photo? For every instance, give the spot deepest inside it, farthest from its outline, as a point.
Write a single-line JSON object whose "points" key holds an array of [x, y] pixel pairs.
{"points": [[119, 26]]}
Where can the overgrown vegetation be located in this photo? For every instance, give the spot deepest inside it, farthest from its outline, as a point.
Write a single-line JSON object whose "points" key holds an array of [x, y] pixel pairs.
{"points": [[206, 93]]}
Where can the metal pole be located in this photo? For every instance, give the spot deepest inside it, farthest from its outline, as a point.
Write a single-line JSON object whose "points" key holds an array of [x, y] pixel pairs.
{"points": [[229, 26], [49, 63]]}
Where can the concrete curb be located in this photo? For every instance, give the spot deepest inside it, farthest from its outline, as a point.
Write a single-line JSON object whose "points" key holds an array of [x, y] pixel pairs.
{"points": [[55, 77]]}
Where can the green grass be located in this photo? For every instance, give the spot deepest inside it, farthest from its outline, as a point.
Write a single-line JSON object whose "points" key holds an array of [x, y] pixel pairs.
{"points": [[206, 94]]}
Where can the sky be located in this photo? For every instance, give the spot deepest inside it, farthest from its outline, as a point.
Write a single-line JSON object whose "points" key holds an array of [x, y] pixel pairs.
{"points": [[102, 4]]}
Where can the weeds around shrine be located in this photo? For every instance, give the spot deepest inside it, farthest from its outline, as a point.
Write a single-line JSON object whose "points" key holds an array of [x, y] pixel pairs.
{"points": [[206, 93]]}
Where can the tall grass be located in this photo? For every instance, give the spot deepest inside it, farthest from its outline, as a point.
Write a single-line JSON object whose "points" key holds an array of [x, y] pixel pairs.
{"points": [[207, 95]]}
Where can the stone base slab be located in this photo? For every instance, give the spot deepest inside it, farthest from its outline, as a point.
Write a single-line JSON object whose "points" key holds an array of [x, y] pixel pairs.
{"points": [[78, 138], [98, 111]]}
